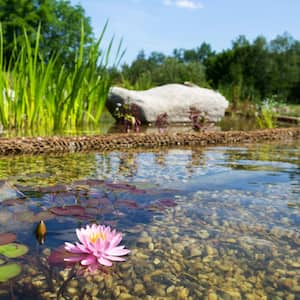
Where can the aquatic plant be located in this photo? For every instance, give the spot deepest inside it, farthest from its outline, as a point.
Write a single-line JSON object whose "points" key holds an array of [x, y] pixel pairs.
{"points": [[9, 250], [197, 118], [98, 246], [40, 232], [161, 122], [266, 117], [9, 271], [129, 116], [36, 92], [13, 250]]}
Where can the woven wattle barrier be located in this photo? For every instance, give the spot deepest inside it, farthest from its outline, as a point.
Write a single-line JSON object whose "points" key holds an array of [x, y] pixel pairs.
{"points": [[35, 145]]}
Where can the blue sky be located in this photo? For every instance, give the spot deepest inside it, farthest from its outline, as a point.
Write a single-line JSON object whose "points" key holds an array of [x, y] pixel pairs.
{"points": [[162, 25]]}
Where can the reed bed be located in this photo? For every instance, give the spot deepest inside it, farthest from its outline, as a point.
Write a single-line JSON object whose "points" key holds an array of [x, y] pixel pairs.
{"points": [[40, 93]]}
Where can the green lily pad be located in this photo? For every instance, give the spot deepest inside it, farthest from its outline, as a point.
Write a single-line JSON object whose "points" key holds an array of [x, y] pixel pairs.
{"points": [[13, 250], [9, 271]]}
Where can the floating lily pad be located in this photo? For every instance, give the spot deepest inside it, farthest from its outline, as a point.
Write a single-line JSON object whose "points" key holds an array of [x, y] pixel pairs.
{"points": [[13, 250], [138, 192], [9, 271], [121, 186], [92, 202], [145, 185], [6, 238], [89, 182], [12, 202], [127, 203], [166, 202], [69, 210], [43, 215]]}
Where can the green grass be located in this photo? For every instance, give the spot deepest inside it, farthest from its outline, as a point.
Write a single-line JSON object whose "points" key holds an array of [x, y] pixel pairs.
{"points": [[266, 118], [40, 94]]}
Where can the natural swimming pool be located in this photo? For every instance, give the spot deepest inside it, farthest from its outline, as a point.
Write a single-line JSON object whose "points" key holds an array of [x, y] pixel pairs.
{"points": [[201, 223]]}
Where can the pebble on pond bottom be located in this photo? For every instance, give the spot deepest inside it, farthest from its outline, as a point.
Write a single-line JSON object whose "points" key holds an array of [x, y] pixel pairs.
{"points": [[213, 245]]}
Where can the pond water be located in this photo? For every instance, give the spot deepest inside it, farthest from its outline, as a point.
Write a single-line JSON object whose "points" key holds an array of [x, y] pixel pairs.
{"points": [[232, 122], [201, 223]]}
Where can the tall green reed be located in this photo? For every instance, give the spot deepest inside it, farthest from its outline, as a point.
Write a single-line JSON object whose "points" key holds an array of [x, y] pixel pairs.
{"points": [[35, 92]]}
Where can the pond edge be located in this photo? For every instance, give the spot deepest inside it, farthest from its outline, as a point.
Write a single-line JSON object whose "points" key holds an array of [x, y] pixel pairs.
{"points": [[57, 144]]}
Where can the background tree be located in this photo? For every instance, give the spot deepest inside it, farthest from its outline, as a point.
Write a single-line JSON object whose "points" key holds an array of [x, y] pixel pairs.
{"points": [[251, 71], [158, 69], [60, 25]]}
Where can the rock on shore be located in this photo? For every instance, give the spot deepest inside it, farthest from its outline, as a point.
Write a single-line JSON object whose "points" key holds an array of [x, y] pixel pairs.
{"points": [[176, 100]]}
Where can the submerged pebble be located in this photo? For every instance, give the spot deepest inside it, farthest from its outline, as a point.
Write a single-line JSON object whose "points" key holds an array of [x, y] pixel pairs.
{"points": [[219, 244]]}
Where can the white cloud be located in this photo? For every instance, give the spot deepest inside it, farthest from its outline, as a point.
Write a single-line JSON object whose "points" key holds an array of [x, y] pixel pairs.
{"points": [[190, 4]]}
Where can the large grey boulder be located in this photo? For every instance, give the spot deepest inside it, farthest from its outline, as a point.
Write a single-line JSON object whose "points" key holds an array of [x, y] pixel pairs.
{"points": [[176, 100]]}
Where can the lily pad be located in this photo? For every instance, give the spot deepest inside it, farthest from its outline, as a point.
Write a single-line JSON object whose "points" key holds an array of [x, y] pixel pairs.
{"points": [[89, 182], [6, 238], [69, 210], [13, 250], [9, 271], [138, 192], [127, 203], [12, 202], [166, 202], [121, 186]]}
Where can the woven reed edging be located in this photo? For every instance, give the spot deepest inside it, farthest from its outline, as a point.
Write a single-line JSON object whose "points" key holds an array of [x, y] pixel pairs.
{"points": [[125, 141]]}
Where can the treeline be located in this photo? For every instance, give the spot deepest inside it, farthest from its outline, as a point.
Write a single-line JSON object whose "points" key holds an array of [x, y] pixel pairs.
{"points": [[248, 70], [252, 71], [60, 23]]}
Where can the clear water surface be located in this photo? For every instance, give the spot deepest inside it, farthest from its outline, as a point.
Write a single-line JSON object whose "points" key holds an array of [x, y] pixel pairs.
{"points": [[201, 223]]}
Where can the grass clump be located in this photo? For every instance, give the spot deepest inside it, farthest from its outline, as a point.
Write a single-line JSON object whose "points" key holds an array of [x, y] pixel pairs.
{"points": [[39, 93], [267, 114]]}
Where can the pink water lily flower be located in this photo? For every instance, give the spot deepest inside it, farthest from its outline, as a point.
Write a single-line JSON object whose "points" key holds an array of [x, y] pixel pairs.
{"points": [[98, 245]]}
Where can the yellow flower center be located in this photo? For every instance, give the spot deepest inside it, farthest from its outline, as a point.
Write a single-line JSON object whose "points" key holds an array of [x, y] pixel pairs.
{"points": [[95, 236]]}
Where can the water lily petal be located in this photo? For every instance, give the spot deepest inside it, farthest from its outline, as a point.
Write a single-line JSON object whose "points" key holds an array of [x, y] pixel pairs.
{"points": [[81, 236], [117, 251], [83, 248], [90, 259], [93, 267], [114, 258], [74, 258], [104, 262], [101, 245], [72, 248], [116, 240]]}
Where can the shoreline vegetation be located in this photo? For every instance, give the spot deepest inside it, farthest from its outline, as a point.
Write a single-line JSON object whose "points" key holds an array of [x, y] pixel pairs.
{"points": [[38, 92], [52, 84], [125, 141]]}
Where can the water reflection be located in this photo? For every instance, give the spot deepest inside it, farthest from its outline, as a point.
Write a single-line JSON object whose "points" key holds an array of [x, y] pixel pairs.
{"points": [[201, 223]]}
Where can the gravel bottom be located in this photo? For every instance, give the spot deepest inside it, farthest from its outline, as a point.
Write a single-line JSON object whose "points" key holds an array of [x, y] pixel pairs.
{"points": [[225, 244]]}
